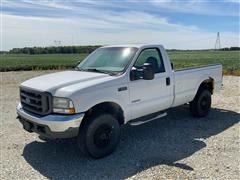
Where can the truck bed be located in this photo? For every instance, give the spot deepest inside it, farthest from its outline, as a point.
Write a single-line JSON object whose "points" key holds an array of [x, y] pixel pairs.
{"points": [[188, 80]]}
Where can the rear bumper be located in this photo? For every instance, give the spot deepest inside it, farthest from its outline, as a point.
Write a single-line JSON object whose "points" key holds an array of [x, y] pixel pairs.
{"points": [[51, 126]]}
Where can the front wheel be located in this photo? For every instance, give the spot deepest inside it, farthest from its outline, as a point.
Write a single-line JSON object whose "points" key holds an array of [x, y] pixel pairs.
{"points": [[99, 136], [201, 104]]}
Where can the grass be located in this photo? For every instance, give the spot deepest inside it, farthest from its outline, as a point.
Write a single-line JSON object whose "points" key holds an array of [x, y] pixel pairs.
{"points": [[181, 59]]}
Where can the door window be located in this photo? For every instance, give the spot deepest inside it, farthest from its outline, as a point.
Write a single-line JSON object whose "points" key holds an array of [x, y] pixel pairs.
{"points": [[153, 57]]}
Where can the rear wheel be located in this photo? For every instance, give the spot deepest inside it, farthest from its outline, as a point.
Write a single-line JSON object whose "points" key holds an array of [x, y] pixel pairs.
{"points": [[99, 136], [201, 104]]}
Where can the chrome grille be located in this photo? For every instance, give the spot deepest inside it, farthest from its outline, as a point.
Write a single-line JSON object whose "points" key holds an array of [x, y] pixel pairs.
{"points": [[35, 101]]}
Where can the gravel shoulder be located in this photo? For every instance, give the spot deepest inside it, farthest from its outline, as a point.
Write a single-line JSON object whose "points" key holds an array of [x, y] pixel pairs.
{"points": [[177, 146]]}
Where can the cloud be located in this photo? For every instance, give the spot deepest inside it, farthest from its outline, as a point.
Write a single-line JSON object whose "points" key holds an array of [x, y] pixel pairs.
{"points": [[34, 23], [34, 31], [49, 4], [35, 4], [211, 8]]}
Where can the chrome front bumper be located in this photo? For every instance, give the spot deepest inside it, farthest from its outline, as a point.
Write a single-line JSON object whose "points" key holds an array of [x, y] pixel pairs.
{"points": [[53, 125]]}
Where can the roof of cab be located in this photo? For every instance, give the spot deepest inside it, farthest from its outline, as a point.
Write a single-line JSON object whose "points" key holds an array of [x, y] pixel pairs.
{"points": [[134, 45]]}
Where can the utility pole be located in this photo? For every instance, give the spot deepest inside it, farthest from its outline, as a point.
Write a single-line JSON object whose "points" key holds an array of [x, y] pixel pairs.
{"points": [[218, 42]]}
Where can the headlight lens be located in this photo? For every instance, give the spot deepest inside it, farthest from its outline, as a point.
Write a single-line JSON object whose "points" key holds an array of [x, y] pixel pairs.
{"points": [[63, 105]]}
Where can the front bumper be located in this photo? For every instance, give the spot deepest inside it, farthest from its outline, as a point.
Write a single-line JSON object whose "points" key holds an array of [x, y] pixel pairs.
{"points": [[51, 126]]}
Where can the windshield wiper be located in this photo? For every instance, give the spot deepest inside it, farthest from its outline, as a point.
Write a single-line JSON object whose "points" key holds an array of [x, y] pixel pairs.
{"points": [[96, 70], [99, 71]]}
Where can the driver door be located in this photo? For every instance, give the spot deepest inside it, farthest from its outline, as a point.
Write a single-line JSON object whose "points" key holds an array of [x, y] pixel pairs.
{"points": [[149, 96]]}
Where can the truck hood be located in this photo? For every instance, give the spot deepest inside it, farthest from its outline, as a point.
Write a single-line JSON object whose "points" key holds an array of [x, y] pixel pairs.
{"points": [[52, 82]]}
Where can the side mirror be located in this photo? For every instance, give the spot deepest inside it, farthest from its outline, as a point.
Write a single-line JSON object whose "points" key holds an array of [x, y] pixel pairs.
{"points": [[145, 72], [148, 72], [135, 74]]}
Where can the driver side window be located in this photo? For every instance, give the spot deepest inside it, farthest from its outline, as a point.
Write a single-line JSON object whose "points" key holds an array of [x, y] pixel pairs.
{"points": [[153, 57]]}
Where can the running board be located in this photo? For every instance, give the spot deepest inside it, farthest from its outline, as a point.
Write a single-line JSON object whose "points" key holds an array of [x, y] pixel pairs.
{"points": [[139, 122]]}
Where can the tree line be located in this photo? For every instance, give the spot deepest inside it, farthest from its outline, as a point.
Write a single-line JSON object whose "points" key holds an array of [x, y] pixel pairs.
{"points": [[222, 49], [54, 50], [77, 49], [230, 49]]}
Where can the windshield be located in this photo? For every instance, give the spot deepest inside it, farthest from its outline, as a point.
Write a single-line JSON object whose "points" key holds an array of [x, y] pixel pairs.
{"points": [[109, 59]]}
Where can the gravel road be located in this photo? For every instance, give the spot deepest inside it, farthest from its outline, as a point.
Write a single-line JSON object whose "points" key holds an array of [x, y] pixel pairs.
{"points": [[175, 147]]}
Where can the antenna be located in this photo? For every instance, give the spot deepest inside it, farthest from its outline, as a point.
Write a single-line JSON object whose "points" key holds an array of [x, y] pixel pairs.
{"points": [[218, 43]]}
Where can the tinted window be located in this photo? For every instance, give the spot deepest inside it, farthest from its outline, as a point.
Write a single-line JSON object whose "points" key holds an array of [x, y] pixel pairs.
{"points": [[153, 57]]}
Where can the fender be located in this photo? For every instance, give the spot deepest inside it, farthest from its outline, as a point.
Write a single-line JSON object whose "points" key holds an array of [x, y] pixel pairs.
{"points": [[84, 101], [204, 80]]}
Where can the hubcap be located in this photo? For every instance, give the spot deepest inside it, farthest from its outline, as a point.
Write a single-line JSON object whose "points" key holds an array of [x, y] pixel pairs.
{"points": [[102, 136]]}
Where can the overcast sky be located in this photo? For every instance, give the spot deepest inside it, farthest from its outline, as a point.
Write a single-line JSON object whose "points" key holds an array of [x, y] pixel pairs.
{"points": [[175, 24]]}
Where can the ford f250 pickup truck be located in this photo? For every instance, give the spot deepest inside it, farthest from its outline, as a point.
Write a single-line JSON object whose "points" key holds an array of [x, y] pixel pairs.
{"points": [[114, 85]]}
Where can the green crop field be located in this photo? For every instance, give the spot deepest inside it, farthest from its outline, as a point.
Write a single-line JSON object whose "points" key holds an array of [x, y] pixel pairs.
{"points": [[16, 62], [181, 59], [229, 59]]}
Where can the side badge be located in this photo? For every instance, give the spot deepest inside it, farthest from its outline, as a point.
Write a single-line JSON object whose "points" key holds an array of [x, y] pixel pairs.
{"points": [[122, 88], [135, 101]]}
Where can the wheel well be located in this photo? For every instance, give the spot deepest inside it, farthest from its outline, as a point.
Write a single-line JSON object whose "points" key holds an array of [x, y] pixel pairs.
{"points": [[207, 84], [106, 107]]}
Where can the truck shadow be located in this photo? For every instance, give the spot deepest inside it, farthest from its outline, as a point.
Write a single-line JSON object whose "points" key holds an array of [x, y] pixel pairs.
{"points": [[163, 141]]}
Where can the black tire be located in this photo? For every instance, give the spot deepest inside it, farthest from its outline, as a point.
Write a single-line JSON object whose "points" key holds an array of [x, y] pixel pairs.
{"points": [[201, 104], [99, 136]]}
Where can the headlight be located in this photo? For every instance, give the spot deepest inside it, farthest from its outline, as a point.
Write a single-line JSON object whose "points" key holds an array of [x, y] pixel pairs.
{"points": [[63, 105]]}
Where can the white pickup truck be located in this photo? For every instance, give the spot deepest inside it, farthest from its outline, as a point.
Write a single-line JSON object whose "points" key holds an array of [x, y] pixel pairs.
{"points": [[114, 85]]}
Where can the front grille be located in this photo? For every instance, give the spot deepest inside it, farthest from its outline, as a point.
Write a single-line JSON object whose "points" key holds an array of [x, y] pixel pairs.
{"points": [[35, 101]]}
